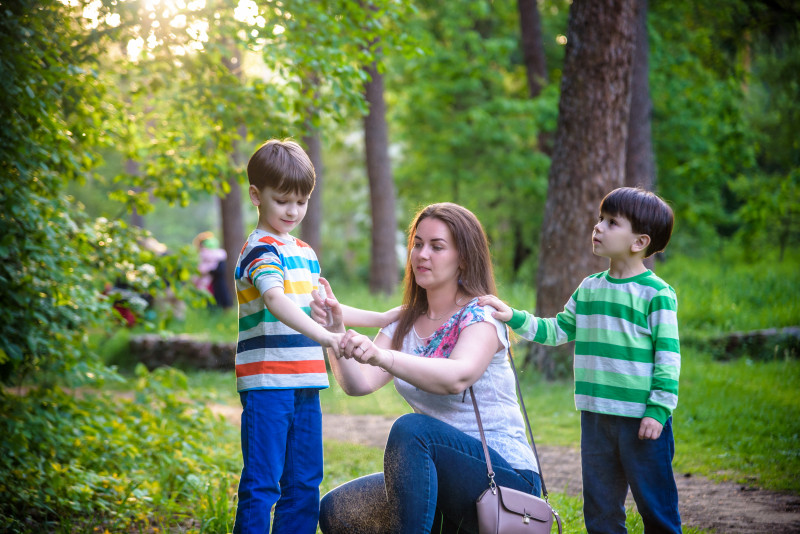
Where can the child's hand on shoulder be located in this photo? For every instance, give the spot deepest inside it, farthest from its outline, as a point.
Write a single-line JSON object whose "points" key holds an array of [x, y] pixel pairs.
{"points": [[650, 428], [503, 313]]}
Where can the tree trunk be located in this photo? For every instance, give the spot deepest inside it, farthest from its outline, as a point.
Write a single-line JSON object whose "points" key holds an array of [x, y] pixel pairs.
{"points": [[640, 167], [383, 265], [639, 162], [589, 154], [230, 205], [230, 209], [311, 228], [532, 46]]}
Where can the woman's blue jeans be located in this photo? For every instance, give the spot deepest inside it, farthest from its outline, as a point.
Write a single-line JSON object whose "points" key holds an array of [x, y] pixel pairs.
{"points": [[613, 457], [282, 453], [433, 474]]}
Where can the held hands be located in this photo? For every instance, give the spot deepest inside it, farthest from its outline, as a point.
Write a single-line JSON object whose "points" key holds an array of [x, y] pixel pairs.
{"points": [[360, 348], [650, 428], [503, 313]]}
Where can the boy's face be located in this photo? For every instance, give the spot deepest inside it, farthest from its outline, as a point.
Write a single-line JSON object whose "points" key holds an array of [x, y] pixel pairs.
{"points": [[278, 213], [613, 237]]}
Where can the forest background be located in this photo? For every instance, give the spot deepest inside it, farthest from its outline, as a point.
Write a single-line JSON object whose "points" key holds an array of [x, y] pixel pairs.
{"points": [[127, 121]]}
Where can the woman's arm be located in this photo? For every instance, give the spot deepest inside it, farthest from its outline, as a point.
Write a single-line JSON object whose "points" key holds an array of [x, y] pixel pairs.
{"points": [[469, 359]]}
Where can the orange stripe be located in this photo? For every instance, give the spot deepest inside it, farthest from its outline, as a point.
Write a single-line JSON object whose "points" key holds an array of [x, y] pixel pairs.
{"points": [[280, 368]]}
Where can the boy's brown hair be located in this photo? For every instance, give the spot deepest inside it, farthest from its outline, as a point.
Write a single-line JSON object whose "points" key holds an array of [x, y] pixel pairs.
{"points": [[282, 165], [647, 213]]}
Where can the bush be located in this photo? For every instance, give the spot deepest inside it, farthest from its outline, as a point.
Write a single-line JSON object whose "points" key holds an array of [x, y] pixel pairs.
{"points": [[77, 460]]}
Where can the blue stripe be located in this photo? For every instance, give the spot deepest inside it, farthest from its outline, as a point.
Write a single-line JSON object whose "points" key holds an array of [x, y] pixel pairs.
{"points": [[301, 262], [276, 341]]}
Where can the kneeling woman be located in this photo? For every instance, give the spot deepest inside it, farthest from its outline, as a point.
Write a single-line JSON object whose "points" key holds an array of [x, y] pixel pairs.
{"points": [[442, 343]]}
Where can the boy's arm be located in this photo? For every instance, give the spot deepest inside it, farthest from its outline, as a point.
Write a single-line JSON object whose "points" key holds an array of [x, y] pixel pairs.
{"points": [[555, 331], [290, 314], [663, 321]]}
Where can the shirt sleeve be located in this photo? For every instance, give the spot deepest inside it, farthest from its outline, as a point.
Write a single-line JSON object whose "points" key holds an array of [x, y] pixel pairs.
{"points": [[552, 331], [265, 271], [663, 322]]}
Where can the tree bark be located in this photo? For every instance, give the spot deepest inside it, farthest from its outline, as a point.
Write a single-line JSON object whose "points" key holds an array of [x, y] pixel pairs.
{"points": [[589, 155], [383, 264], [639, 162]]}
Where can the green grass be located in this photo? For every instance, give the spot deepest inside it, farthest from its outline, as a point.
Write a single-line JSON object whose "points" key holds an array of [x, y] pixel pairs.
{"points": [[736, 420]]}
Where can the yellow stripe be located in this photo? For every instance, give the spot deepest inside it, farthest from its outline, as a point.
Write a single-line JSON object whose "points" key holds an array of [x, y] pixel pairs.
{"points": [[263, 266], [248, 295], [297, 287]]}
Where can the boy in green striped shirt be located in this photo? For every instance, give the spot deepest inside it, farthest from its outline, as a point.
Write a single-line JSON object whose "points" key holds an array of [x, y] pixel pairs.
{"points": [[627, 362]]}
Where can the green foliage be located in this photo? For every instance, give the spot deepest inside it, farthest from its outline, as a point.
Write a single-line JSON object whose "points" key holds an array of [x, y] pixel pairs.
{"points": [[724, 294], [468, 129], [115, 462]]}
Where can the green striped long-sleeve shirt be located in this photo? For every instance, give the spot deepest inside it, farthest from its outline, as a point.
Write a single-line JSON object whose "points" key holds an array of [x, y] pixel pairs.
{"points": [[627, 352]]}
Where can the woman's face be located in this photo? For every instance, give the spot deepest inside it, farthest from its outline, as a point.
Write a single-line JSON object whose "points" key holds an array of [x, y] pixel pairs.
{"points": [[434, 258]]}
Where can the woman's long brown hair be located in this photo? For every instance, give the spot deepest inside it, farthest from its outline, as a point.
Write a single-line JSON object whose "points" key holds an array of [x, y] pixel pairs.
{"points": [[475, 263]]}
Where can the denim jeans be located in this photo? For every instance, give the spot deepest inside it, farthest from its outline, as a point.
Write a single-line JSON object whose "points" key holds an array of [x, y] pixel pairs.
{"points": [[613, 457], [433, 474], [282, 453]]}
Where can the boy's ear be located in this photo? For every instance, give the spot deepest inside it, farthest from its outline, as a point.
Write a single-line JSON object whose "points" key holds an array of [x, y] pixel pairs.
{"points": [[641, 243], [255, 195]]}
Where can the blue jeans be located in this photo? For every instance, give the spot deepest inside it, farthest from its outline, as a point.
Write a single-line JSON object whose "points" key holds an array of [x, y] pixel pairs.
{"points": [[613, 457], [282, 454], [433, 474]]}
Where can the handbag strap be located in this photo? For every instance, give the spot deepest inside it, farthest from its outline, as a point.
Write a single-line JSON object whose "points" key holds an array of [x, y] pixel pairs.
{"points": [[489, 468]]}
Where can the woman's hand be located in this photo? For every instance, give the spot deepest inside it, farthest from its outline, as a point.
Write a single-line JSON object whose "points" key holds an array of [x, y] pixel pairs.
{"points": [[326, 311]]}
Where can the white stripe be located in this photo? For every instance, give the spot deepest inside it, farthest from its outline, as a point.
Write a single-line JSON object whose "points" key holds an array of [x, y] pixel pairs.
{"points": [[313, 380], [623, 367], [664, 398]]}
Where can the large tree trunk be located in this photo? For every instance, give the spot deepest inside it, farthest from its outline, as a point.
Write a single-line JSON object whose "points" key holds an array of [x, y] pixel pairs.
{"points": [[383, 265], [311, 228], [589, 154]]}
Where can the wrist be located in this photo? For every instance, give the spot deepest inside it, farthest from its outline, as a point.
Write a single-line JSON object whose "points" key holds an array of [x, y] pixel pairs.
{"points": [[388, 361]]}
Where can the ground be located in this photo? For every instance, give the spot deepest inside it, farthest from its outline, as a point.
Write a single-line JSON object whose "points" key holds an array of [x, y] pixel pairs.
{"points": [[721, 506]]}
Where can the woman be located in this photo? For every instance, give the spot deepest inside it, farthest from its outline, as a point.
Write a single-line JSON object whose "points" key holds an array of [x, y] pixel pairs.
{"points": [[442, 343]]}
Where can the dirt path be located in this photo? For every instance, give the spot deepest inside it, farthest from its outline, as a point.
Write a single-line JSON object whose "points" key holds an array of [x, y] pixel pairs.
{"points": [[725, 507]]}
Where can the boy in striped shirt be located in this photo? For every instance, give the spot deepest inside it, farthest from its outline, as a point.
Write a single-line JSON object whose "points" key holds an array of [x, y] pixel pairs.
{"points": [[627, 361], [280, 366]]}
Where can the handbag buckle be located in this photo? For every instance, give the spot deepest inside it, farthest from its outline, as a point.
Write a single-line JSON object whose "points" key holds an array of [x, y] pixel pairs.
{"points": [[526, 518]]}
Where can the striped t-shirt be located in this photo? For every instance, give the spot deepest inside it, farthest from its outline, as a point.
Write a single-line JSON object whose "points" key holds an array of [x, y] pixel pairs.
{"points": [[269, 354], [627, 352]]}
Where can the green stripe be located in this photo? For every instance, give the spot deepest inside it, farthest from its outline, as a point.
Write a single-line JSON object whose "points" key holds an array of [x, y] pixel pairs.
{"points": [[612, 309], [663, 302], [612, 337], [668, 344], [262, 316], [665, 384], [608, 378], [614, 351], [611, 392]]}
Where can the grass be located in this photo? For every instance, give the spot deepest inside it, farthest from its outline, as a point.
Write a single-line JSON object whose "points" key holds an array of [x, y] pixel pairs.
{"points": [[735, 420]]}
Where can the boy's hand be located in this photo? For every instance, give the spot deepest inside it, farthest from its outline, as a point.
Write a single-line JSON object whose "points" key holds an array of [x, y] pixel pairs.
{"points": [[326, 311], [650, 428], [333, 343], [503, 313]]}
